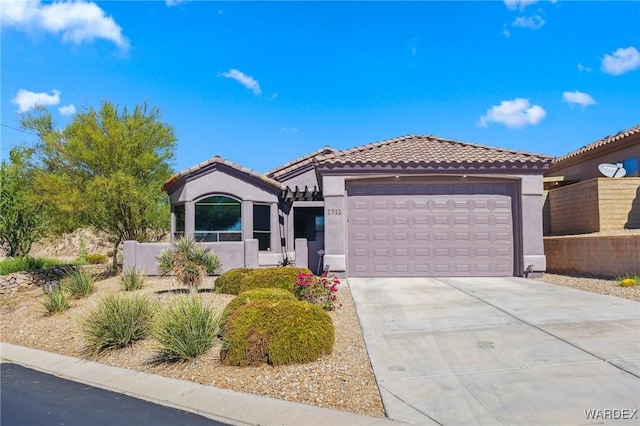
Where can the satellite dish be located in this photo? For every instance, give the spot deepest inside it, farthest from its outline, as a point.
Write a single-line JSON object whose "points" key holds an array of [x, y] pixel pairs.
{"points": [[612, 170]]}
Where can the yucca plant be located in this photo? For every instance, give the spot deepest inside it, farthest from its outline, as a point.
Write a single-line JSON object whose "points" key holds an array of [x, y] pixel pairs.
{"points": [[189, 262]]}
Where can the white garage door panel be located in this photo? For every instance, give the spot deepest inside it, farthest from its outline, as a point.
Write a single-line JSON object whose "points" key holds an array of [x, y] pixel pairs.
{"points": [[430, 230]]}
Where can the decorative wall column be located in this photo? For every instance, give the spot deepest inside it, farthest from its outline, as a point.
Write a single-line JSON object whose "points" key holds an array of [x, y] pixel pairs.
{"points": [[532, 241], [247, 220], [189, 219], [335, 223]]}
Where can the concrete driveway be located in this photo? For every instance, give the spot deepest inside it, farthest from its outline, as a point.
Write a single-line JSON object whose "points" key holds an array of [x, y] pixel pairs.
{"points": [[494, 351]]}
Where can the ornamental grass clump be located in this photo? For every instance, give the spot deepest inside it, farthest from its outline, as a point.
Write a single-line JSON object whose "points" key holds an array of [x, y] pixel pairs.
{"points": [[276, 332], [131, 280], [27, 263], [189, 262], [55, 301], [119, 320], [251, 295], [186, 329], [78, 283], [317, 290]]}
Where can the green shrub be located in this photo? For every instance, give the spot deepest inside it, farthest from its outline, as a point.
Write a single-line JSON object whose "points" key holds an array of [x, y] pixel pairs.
{"points": [[55, 301], [19, 264], [118, 321], [78, 283], [131, 280], [229, 282], [251, 295], [272, 278], [96, 258], [317, 290], [186, 329], [277, 332], [237, 281], [628, 280]]}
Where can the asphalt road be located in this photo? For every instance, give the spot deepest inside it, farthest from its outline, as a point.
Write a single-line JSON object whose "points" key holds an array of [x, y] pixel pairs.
{"points": [[29, 397]]}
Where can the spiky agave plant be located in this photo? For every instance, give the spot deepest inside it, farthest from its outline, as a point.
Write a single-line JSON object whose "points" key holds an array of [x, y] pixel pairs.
{"points": [[189, 262]]}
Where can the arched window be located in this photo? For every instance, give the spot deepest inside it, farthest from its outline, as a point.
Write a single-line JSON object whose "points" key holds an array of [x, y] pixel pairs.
{"points": [[218, 218]]}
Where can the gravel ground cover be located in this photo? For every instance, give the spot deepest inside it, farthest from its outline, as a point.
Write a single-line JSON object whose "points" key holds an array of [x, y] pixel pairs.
{"points": [[343, 380], [595, 285]]}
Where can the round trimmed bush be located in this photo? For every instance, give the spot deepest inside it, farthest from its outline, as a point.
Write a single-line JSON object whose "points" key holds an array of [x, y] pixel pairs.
{"points": [[277, 332], [229, 282], [257, 294], [271, 278]]}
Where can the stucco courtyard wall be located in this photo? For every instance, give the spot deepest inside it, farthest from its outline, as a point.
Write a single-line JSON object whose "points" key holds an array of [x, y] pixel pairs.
{"points": [[241, 254]]}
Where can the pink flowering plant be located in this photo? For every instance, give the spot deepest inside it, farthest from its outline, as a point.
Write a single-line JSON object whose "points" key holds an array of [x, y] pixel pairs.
{"points": [[318, 290]]}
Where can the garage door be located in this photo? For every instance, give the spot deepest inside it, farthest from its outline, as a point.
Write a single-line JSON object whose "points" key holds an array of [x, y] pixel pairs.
{"points": [[429, 229]]}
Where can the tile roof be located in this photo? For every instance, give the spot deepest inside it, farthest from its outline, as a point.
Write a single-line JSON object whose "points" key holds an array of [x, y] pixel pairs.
{"points": [[617, 137], [219, 160], [429, 150], [298, 163]]}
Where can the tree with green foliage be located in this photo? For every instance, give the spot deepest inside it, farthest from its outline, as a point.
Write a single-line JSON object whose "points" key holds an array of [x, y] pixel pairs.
{"points": [[22, 220], [105, 169]]}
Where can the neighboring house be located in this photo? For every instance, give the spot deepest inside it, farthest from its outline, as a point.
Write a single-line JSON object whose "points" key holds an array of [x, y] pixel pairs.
{"points": [[582, 200], [410, 206]]}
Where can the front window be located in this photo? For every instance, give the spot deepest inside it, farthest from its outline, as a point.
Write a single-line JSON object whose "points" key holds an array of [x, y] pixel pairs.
{"points": [[218, 218], [262, 226], [178, 213]]}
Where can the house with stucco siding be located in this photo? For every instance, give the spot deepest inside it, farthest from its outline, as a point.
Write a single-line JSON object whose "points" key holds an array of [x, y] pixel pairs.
{"points": [[408, 206]]}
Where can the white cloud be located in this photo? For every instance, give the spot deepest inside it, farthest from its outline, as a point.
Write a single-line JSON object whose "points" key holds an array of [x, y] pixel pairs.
{"points": [[533, 22], [518, 4], [171, 3], [244, 79], [505, 31], [76, 21], [580, 98], [621, 61], [67, 110], [514, 114], [582, 68], [27, 100], [289, 129]]}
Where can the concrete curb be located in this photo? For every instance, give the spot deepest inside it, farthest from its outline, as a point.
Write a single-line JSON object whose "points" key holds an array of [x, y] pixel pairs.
{"points": [[208, 401]]}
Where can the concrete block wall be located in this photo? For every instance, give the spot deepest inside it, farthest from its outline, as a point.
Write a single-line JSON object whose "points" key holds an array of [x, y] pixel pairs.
{"points": [[600, 204], [574, 209], [593, 256], [619, 203]]}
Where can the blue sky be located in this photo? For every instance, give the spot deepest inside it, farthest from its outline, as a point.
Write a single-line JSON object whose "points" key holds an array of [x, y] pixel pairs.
{"points": [[262, 83]]}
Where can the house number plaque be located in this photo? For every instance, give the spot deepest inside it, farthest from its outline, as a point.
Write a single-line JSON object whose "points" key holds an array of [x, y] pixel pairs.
{"points": [[334, 212]]}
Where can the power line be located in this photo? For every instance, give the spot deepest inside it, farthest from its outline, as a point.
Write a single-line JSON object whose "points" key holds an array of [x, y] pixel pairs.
{"points": [[18, 130]]}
